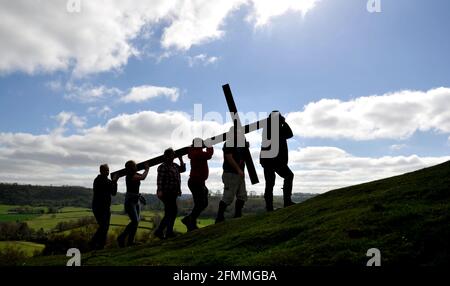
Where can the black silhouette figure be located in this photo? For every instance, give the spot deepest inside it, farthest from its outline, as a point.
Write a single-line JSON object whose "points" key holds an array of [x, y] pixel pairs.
{"points": [[233, 176], [132, 198], [104, 188], [197, 178], [277, 164], [169, 189]]}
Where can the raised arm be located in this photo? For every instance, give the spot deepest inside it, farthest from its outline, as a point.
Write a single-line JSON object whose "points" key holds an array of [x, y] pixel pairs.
{"points": [[141, 177], [182, 167]]}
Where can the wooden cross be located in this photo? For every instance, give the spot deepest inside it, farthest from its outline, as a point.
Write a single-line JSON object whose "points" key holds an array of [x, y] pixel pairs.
{"points": [[212, 141]]}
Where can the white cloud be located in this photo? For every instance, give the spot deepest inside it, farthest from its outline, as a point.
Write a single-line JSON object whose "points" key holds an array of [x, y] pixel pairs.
{"points": [[43, 36], [28, 158], [396, 147], [64, 118], [146, 92], [88, 93], [100, 111], [201, 59], [395, 115], [265, 10]]}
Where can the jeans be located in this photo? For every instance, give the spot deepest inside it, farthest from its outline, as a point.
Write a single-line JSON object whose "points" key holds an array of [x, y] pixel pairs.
{"points": [[200, 195], [132, 208]]}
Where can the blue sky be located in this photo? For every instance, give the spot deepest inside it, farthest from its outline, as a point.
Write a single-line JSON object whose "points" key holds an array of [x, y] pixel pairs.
{"points": [[337, 50]]}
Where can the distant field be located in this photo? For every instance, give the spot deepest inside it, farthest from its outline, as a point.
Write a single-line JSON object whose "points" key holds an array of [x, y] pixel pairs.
{"points": [[6, 215], [29, 248], [48, 221], [118, 220]]}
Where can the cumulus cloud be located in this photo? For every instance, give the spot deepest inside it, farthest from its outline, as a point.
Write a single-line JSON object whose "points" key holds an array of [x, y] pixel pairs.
{"points": [[102, 35], [57, 158], [395, 115], [201, 59], [88, 93], [146, 92]]}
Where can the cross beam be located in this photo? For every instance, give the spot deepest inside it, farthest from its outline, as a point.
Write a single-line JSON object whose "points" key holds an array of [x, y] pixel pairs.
{"points": [[237, 124], [213, 140], [183, 151]]}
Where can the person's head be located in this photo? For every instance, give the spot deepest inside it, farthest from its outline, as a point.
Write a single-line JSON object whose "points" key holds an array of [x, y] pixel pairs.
{"points": [[198, 143], [131, 167], [169, 155], [104, 169]]}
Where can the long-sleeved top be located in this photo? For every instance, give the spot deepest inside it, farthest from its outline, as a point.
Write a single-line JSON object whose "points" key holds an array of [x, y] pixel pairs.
{"points": [[169, 179], [285, 132], [199, 163], [104, 188]]}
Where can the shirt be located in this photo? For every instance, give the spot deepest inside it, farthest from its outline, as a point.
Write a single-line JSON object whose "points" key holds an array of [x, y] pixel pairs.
{"points": [[103, 189], [282, 158], [132, 185], [238, 154], [169, 179], [199, 162]]}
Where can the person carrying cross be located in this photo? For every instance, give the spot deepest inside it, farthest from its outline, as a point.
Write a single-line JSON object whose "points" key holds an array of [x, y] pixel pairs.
{"points": [[277, 163], [103, 188], [233, 176], [168, 190], [197, 178]]}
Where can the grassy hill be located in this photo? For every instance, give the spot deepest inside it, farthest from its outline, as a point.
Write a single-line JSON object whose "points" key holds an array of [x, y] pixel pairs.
{"points": [[406, 217]]}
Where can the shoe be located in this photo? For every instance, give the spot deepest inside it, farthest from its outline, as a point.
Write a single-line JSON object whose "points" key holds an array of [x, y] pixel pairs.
{"points": [[159, 234], [288, 204], [221, 212], [189, 223], [170, 235], [121, 241]]}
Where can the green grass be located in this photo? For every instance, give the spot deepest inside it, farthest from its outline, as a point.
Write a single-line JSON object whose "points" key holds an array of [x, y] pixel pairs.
{"points": [[29, 248], [406, 217], [6, 214], [49, 221]]}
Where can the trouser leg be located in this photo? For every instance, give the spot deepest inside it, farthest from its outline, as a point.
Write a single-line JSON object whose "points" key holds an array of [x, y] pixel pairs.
{"points": [[269, 176], [288, 177]]}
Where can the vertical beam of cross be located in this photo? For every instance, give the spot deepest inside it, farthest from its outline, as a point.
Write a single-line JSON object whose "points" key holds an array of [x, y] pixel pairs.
{"points": [[237, 126]]}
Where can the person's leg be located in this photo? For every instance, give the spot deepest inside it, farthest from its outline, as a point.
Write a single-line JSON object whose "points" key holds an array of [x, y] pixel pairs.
{"points": [[135, 217], [173, 211], [201, 202], [241, 198], [229, 191], [288, 176], [123, 235], [190, 220], [269, 176], [103, 227], [95, 239], [164, 221]]}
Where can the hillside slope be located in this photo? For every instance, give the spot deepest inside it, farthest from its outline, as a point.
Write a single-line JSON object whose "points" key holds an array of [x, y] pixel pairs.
{"points": [[407, 217]]}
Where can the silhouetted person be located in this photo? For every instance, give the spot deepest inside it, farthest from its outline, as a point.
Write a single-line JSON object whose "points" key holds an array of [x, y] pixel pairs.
{"points": [[197, 178], [169, 189], [279, 163], [132, 208], [103, 188], [233, 176]]}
